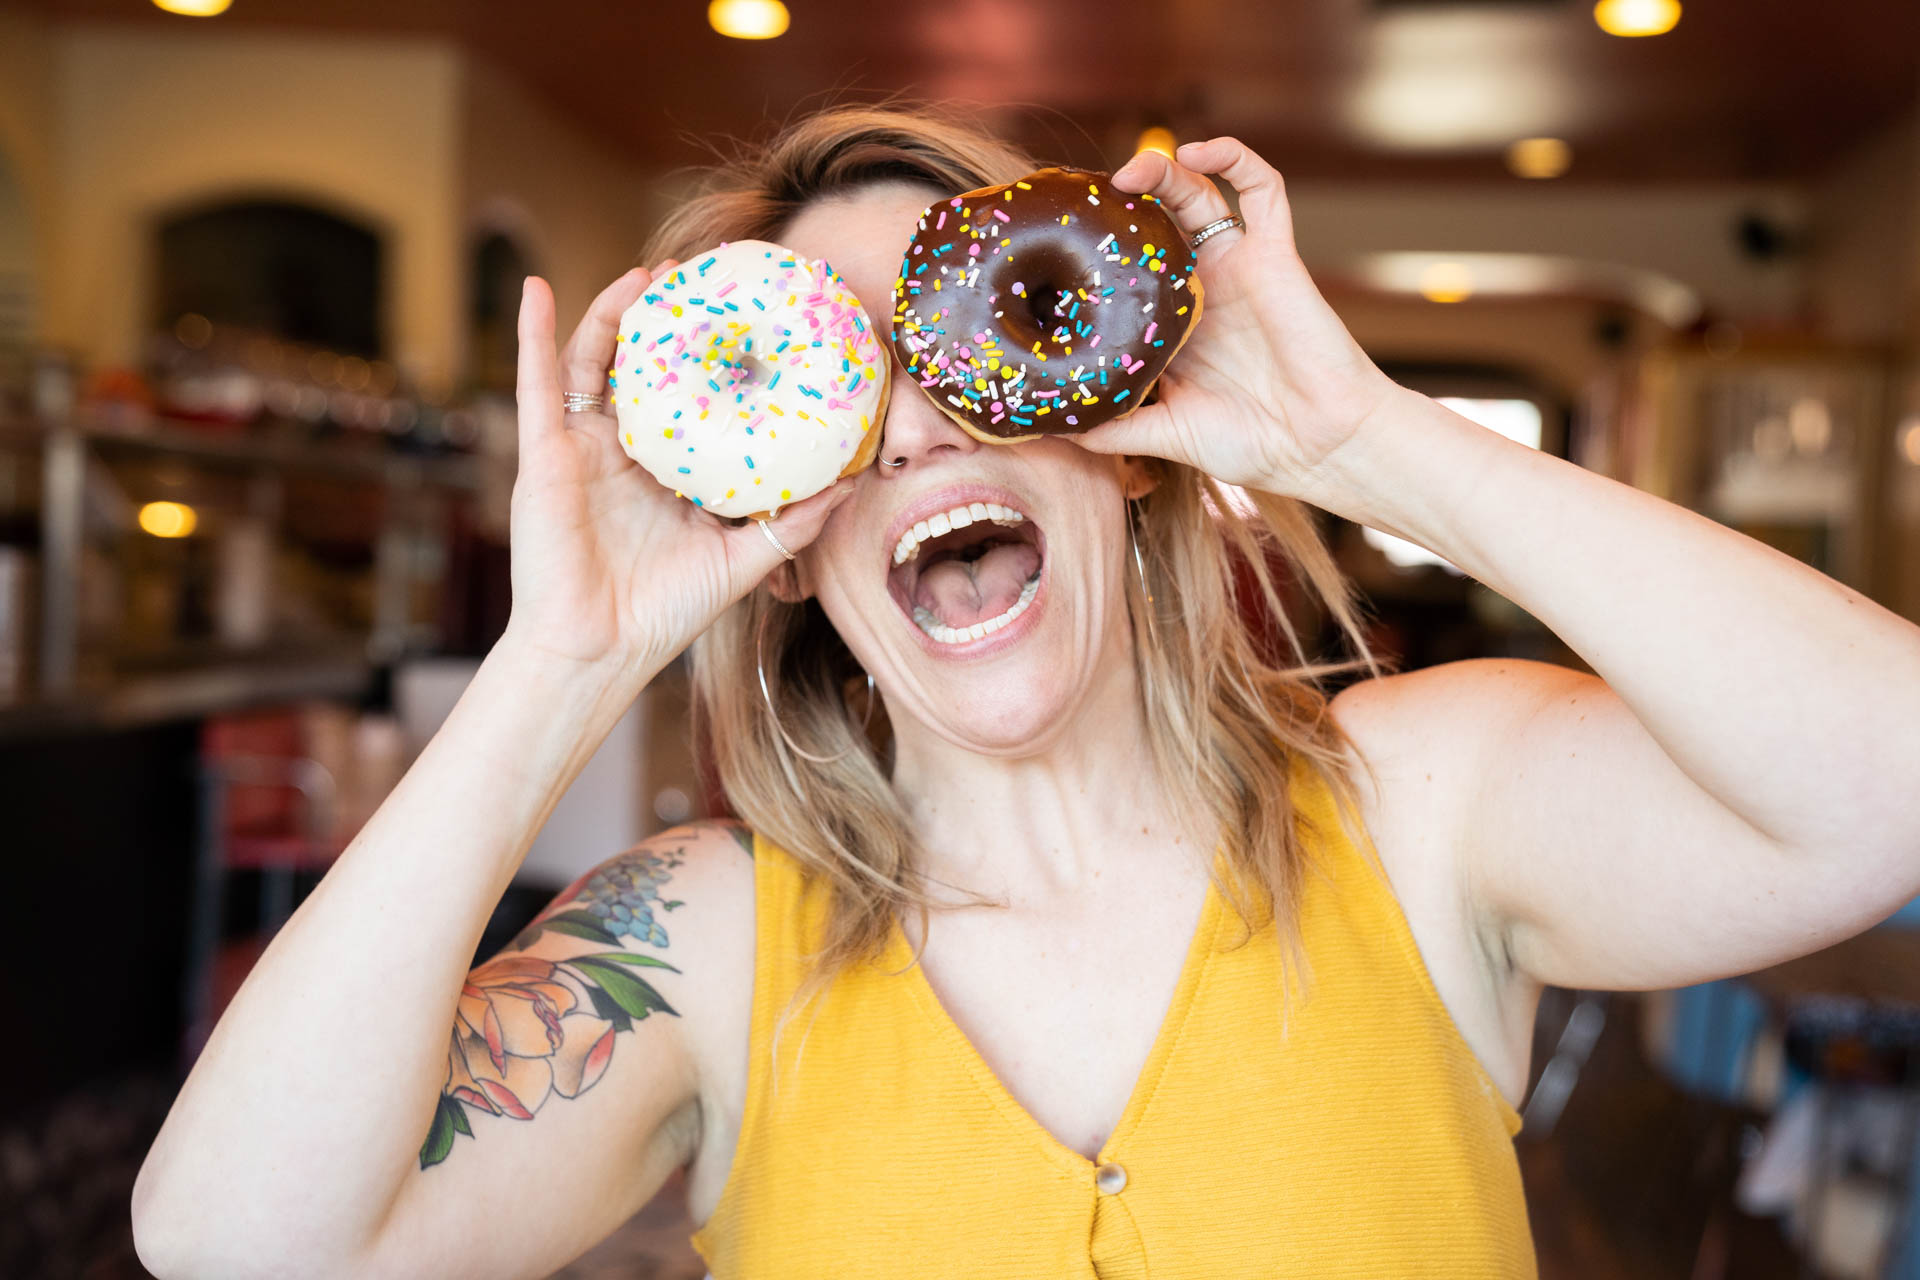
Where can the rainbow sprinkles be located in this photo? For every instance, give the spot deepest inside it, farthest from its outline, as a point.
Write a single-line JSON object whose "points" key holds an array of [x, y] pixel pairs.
{"points": [[1048, 305], [747, 378]]}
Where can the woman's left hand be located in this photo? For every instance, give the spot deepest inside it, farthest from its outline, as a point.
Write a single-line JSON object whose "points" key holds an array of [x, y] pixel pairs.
{"points": [[1270, 383]]}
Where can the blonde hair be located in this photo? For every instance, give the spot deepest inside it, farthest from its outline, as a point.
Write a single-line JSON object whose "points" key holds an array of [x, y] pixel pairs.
{"points": [[1224, 716]]}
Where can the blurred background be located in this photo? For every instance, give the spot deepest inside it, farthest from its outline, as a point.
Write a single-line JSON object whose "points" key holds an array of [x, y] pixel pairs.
{"points": [[258, 272]]}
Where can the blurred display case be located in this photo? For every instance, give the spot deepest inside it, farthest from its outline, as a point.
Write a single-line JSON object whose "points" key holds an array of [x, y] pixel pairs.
{"points": [[1898, 551], [153, 569], [1788, 446]]}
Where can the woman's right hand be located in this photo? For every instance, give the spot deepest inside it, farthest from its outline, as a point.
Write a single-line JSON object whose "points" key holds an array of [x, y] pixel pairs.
{"points": [[608, 565]]}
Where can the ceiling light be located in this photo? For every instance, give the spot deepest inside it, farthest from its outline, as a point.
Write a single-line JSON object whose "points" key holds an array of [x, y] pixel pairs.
{"points": [[1810, 424], [1539, 157], [1446, 282], [1530, 275], [168, 519], [194, 8], [1157, 138], [748, 19], [1637, 17], [1910, 441]]}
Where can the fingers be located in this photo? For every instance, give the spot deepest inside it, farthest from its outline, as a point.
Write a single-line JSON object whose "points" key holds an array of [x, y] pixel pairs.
{"points": [[1262, 191], [1140, 432], [1191, 199], [537, 383], [1184, 187], [590, 351], [753, 554]]}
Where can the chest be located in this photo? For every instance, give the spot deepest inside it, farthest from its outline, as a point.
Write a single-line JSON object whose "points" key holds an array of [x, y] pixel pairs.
{"points": [[1112, 1087], [1062, 1001]]}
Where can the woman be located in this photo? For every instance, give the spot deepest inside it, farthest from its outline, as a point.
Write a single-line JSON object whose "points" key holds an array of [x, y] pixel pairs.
{"points": [[1168, 1016]]}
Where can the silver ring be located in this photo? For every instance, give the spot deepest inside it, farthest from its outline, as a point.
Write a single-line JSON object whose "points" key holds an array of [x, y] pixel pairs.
{"points": [[885, 463], [582, 402], [1213, 229], [768, 530]]}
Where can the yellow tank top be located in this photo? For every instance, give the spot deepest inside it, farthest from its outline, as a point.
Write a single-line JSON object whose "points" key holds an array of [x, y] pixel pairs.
{"points": [[1369, 1144]]}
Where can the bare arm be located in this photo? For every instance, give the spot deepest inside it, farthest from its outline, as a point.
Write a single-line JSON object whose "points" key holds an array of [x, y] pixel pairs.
{"points": [[306, 1110], [1735, 785], [289, 1147], [571, 1082]]}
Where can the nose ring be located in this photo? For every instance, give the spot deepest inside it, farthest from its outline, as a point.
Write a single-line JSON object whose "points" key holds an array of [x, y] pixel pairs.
{"points": [[901, 463]]}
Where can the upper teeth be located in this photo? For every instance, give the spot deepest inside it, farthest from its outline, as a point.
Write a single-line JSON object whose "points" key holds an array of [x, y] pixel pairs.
{"points": [[947, 522]]}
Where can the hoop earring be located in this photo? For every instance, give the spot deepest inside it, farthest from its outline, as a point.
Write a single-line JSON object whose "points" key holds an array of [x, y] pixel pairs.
{"points": [[766, 697], [1139, 564]]}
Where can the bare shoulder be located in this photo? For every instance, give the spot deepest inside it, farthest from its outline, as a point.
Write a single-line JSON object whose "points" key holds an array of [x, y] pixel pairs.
{"points": [[688, 890], [685, 895], [1453, 701], [1425, 735], [1428, 735], [712, 870]]}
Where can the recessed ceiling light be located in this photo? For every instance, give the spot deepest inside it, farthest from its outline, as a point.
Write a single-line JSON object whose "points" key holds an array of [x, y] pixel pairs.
{"points": [[1157, 138], [194, 8], [168, 519], [1539, 157], [1446, 282], [1637, 17], [748, 19]]}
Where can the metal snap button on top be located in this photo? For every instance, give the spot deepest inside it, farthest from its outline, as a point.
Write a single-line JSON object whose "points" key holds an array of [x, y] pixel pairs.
{"points": [[1109, 1179]]}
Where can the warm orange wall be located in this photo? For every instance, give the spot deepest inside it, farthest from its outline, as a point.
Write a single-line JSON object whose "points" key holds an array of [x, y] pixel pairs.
{"points": [[415, 138], [577, 208], [150, 122], [26, 149]]}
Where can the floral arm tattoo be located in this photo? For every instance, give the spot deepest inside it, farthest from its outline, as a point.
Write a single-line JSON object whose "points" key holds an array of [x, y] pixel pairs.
{"points": [[529, 1028]]}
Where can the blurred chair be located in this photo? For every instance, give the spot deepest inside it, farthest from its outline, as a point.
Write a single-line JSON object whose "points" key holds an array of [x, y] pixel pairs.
{"points": [[266, 807], [1585, 1019], [1830, 1043]]}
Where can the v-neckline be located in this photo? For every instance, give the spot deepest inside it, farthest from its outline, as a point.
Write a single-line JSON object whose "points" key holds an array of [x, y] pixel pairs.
{"points": [[1200, 945]]}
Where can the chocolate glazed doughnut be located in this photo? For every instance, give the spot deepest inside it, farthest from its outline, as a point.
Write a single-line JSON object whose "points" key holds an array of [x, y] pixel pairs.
{"points": [[1046, 306]]}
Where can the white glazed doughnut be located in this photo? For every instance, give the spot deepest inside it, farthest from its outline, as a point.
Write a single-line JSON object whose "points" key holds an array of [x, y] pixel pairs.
{"points": [[749, 377]]}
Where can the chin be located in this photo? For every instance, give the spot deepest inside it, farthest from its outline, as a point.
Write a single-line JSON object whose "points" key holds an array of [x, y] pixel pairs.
{"points": [[1015, 708]]}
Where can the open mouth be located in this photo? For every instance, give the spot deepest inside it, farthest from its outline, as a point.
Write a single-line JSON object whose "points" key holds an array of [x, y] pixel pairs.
{"points": [[967, 572]]}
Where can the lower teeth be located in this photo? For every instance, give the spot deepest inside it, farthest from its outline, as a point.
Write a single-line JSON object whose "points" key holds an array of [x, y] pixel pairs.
{"points": [[931, 624]]}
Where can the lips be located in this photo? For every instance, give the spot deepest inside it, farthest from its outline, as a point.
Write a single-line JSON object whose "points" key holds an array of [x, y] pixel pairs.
{"points": [[965, 567]]}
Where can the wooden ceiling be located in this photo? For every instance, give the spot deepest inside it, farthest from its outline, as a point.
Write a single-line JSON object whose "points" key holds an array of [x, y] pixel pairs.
{"points": [[1372, 89]]}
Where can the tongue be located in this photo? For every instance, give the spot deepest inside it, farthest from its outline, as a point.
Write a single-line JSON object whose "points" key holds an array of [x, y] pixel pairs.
{"points": [[961, 593]]}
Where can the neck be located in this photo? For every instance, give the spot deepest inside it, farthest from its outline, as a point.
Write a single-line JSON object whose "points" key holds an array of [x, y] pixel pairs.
{"points": [[1050, 821]]}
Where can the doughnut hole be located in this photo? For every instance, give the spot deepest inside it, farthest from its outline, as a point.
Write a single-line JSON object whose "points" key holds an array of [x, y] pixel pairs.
{"points": [[1036, 293]]}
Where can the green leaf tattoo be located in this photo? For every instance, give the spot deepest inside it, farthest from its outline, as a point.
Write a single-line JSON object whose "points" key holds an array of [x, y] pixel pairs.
{"points": [[529, 1028], [635, 996], [440, 1132]]}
